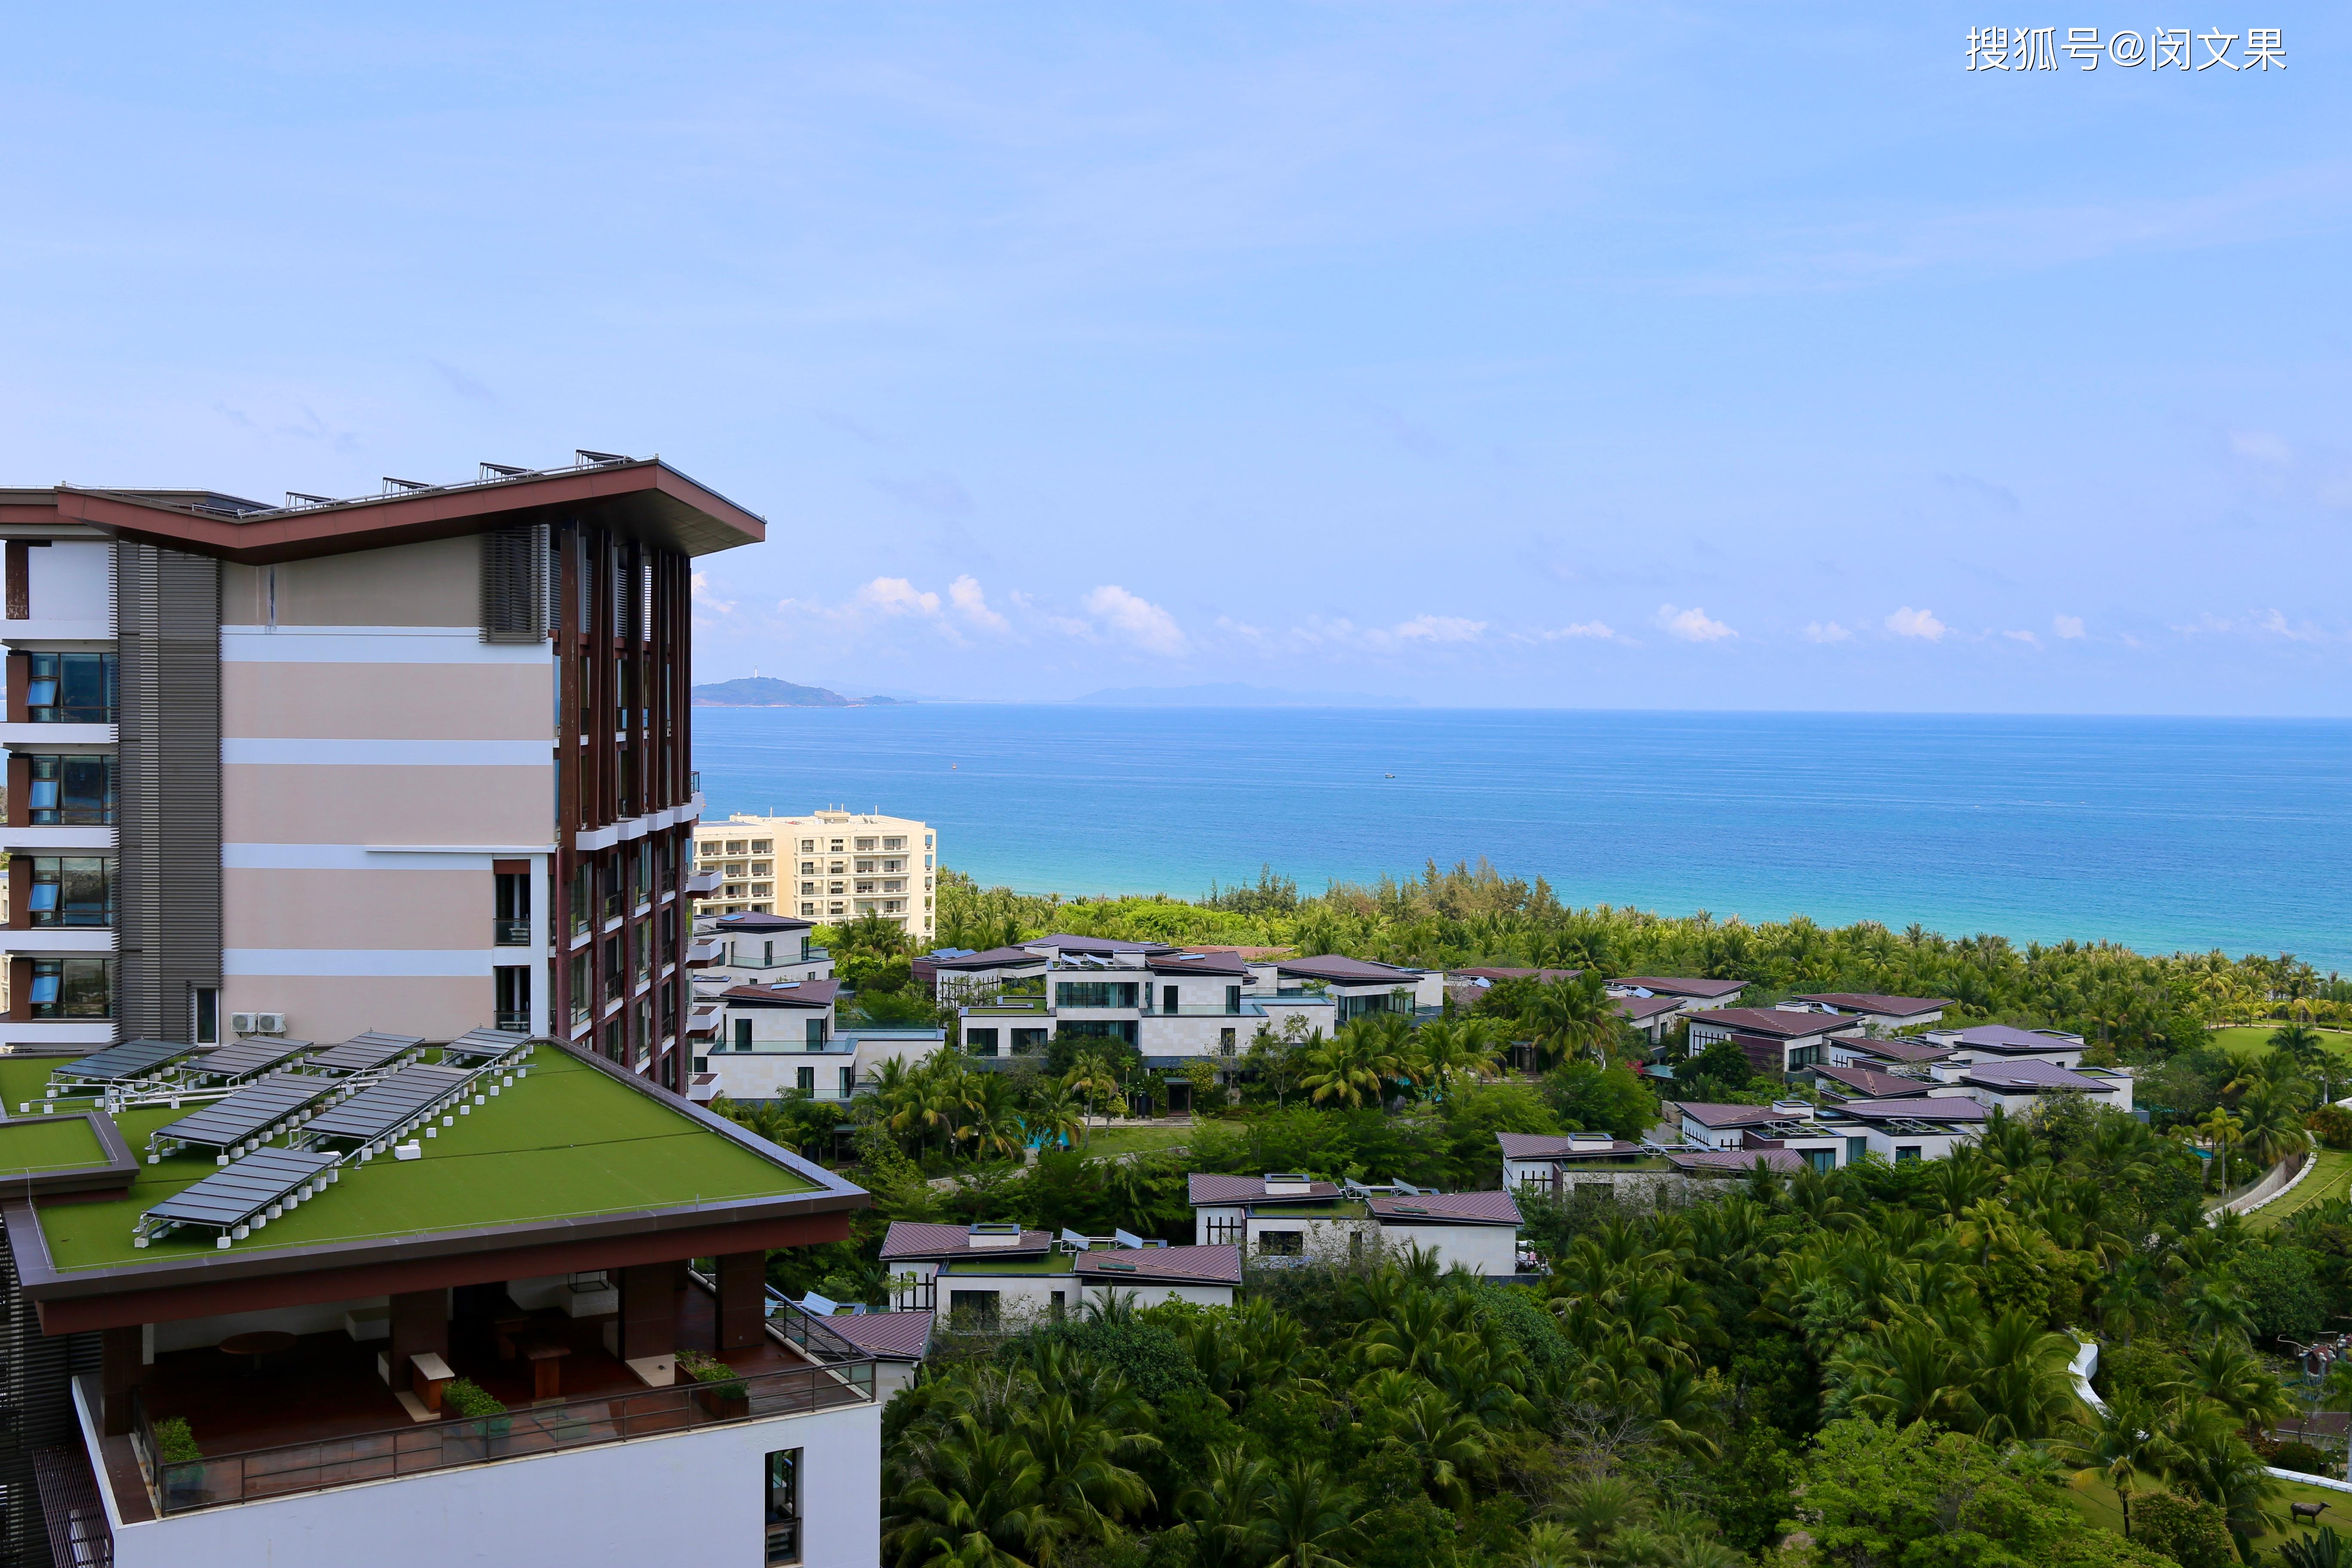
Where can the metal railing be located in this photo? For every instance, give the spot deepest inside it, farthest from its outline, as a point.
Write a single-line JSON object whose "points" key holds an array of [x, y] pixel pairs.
{"points": [[415, 1450]]}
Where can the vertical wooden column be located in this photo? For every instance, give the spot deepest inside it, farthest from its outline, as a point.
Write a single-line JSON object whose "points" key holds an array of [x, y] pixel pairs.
{"points": [[742, 1300], [420, 1326], [649, 1309], [121, 1366]]}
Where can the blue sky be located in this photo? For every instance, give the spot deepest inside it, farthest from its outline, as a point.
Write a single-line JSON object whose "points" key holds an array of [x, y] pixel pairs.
{"points": [[1604, 355]]}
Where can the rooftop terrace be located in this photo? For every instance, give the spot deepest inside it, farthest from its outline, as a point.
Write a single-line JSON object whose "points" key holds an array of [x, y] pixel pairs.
{"points": [[568, 1142]]}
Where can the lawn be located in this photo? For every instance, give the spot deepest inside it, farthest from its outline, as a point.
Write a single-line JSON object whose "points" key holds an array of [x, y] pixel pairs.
{"points": [[2245, 1039], [1107, 1144], [2097, 1502], [2332, 1178], [567, 1143]]}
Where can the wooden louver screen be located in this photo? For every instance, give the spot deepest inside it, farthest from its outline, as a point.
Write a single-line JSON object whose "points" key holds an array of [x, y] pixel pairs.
{"points": [[514, 583]]}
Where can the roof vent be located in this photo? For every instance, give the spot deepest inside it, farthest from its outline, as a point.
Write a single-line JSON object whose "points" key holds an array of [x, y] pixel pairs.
{"points": [[1288, 1182], [993, 1236], [1793, 1107], [1587, 1144]]}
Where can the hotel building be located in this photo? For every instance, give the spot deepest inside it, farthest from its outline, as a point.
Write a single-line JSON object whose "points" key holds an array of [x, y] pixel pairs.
{"points": [[829, 867], [417, 760]]}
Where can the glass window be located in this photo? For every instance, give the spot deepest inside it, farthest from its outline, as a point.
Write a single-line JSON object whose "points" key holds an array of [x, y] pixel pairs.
{"points": [[73, 988], [1282, 1243], [207, 1015], [743, 1034], [582, 899], [72, 890], [762, 846], [969, 1309], [848, 1082], [69, 689], [646, 948], [784, 1506], [583, 999], [979, 1042], [1095, 994], [804, 1079], [71, 792]]}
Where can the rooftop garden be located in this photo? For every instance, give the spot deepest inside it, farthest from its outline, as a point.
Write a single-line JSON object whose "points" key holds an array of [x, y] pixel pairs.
{"points": [[565, 1142], [31, 1148]]}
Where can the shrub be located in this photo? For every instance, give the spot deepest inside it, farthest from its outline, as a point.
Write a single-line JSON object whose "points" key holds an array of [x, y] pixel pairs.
{"points": [[2332, 1125], [175, 1445], [470, 1399], [2298, 1455], [2187, 1529], [715, 1373]]}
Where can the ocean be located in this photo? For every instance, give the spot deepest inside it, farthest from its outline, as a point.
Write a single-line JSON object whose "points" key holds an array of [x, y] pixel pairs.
{"points": [[2160, 833]]}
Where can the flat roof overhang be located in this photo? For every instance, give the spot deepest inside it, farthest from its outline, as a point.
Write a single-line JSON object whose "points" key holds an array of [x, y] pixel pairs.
{"points": [[252, 1280], [643, 498]]}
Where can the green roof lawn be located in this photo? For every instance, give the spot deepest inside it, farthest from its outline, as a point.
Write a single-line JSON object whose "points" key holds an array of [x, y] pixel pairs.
{"points": [[30, 1146], [565, 1142], [1052, 1263]]}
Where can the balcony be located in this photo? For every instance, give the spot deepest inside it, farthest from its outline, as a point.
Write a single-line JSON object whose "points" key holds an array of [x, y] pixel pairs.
{"points": [[320, 1416]]}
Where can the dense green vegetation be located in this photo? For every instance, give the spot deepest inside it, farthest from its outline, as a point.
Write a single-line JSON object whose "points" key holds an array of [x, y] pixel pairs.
{"points": [[1864, 1367]]}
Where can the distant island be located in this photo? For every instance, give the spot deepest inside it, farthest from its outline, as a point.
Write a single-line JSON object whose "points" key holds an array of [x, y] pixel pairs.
{"points": [[1229, 694], [767, 691]]}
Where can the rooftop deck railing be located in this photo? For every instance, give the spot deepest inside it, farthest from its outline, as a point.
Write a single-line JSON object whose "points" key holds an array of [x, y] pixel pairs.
{"points": [[413, 1449]]}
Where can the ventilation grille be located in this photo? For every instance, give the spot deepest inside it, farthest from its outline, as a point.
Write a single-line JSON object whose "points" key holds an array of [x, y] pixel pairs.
{"points": [[514, 586]]}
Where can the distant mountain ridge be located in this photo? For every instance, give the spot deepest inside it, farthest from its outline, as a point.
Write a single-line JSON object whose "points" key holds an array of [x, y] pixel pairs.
{"points": [[767, 691]]}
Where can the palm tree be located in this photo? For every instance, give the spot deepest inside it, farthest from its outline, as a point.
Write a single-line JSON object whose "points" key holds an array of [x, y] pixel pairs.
{"points": [[1444, 1054], [1227, 1510], [1571, 1017], [1349, 1068], [995, 1128], [1058, 1115], [2224, 1371], [1091, 1078], [2203, 1454], [970, 1496], [2119, 1447], [2020, 1382], [1311, 1517], [2302, 1042], [2221, 1128], [2271, 1128]]}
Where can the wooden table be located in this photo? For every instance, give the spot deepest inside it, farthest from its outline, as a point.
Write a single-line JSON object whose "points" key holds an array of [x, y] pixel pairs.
{"points": [[256, 1345], [546, 1358]]}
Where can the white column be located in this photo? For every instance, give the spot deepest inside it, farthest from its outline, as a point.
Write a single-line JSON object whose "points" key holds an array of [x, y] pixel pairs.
{"points": [[542, 947]]}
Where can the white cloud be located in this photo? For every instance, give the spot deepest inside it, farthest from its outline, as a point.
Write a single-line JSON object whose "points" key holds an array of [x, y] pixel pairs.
{"points": [[1439, 628], [897, 596], [1692, 624], [2023, 637], [1826, 631], [972, 604], [1907, 622], [705, 597], [2069, 627], [2261, 446], [1140, 621], [2278, 626], [1597, 630]]}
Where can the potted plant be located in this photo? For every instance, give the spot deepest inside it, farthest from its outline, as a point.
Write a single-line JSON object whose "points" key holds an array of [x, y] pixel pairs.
{"points": [[483, 1416], [719, 1389], [179, 1462]]}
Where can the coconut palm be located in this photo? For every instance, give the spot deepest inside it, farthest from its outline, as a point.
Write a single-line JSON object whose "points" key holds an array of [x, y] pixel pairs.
{"points": [[2119, 1448], [1445, 1054], [2271, 1126], [1311, 1516], [1227, 1510], [1571, 1017], [1092, 1078], [2222, 1369], [1349, 1070], [2020, 1384], [2221, 1128]]}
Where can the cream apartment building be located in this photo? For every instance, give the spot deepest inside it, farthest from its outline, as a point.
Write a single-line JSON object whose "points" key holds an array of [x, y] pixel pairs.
{"points": [[830, 866]]}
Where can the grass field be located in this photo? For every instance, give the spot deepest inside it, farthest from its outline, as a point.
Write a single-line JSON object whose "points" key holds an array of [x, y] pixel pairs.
{"points": [[2331, 1179], [2098, 1502], [1116, 1141], [565, 1142], [2245, 1039]]}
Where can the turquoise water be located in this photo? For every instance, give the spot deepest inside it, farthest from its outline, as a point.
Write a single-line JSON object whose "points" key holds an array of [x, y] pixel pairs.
{"points": [[2161, 832]]}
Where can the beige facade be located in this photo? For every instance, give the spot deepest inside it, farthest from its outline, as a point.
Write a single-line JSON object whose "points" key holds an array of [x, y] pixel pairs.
{"points": [[829, 867]]}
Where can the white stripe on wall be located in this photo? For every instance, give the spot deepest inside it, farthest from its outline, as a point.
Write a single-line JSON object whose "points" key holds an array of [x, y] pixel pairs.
{"points": [[374, 645], [252, 856], [281, 752], [327, 963]]}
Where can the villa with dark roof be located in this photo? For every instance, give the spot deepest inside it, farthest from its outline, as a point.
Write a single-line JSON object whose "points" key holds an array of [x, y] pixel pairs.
{"points": [[1282, 1217], [1773, 1039]]}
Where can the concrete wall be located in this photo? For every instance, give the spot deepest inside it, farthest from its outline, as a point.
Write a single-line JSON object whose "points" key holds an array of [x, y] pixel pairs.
{"points": [[691, 1497], [1484, 1249], [376, 757], [71, 580]]}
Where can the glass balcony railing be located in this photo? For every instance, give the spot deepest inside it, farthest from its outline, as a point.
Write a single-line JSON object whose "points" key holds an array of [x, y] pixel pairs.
{"points": [[510, 934]]}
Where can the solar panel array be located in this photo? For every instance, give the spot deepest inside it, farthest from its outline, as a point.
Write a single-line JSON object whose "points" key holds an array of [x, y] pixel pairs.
{"points": [[133, 1058], [385, 1107], [248, 1057], [248, 1112], [477, 1046], [234, 1196], [364, 1053]]}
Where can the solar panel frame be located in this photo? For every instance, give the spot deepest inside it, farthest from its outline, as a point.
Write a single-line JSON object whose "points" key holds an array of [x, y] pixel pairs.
{"points": [[230, 1197], [365, 1053], [132, 1059], [257, 1106], [254, 1054], [484, 1045], [384, 1106]]}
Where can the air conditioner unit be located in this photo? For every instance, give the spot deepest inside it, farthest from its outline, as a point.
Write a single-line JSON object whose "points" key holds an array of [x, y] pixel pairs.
{"points": [[240, 1023], [269, 1022]]}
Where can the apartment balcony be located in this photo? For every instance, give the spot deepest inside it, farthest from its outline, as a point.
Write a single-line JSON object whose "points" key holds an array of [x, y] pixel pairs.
{"points": [[57, 942], [315, 1430], [510, 934], [45, 636], [703, 884]]}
